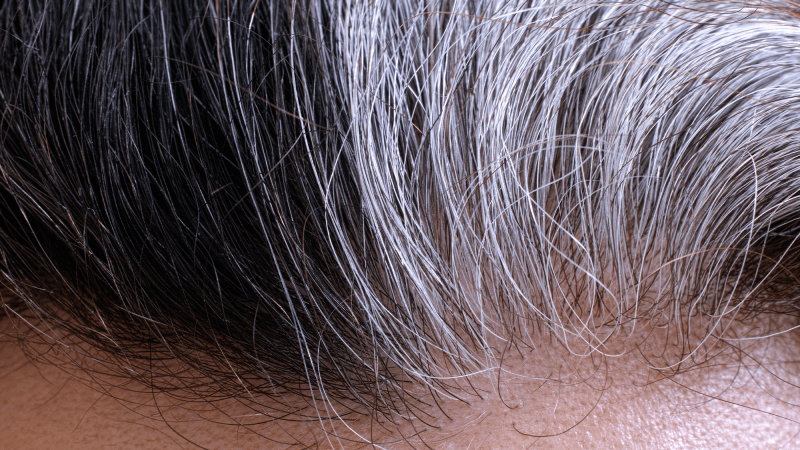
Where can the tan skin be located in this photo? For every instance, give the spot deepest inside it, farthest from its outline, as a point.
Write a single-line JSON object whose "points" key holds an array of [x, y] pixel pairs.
{"points": [[742, 398]]}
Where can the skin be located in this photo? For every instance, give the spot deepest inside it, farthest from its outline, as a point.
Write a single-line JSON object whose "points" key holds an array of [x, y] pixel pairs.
{"points": [[740, 397]]}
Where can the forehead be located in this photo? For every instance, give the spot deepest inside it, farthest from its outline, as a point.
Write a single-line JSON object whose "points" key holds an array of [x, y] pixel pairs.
{"points": [[550, 398]]}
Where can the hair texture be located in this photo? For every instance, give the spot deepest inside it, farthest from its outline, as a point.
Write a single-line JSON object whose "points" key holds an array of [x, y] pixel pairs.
{"points": [[338, 198]]}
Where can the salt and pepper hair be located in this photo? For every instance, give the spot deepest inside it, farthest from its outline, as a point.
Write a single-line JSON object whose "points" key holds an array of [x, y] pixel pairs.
{"points": [[338, 198]]}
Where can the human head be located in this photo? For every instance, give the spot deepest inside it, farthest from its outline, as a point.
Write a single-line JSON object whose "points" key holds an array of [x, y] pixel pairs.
{"points": [[345, 201]]}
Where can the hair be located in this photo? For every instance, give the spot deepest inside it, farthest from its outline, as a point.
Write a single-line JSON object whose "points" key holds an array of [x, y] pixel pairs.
{"points": [[339, 199]]}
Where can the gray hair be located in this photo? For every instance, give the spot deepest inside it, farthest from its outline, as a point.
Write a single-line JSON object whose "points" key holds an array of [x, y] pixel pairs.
{"points": [[361, 194]]}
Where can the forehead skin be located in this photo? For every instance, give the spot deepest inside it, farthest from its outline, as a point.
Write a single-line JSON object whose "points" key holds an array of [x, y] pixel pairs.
{"points": [[742, 398]]}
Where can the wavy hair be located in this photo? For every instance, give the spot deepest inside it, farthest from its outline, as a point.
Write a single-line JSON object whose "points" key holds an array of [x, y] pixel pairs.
{"points": [[338, 198]]}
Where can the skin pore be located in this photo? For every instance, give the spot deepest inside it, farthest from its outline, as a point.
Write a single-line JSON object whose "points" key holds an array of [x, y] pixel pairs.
{"points": [[742, 396]]}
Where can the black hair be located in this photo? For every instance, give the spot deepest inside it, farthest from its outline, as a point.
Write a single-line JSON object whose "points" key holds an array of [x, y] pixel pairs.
{"points": [[335, 199]]}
